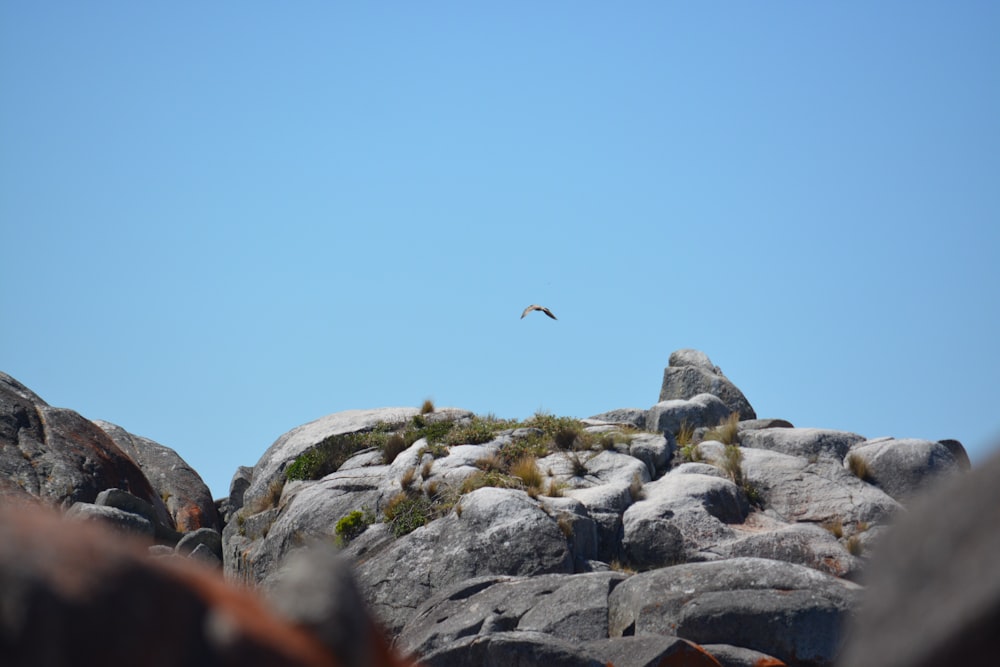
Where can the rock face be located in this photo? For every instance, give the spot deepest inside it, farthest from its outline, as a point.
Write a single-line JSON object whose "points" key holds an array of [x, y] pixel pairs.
{"points": [[98, 471], [619, 539], [691, 372], [186, 496]]}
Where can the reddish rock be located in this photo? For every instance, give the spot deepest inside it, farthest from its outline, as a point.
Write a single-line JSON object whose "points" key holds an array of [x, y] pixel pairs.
{"points": [[71, 589]]}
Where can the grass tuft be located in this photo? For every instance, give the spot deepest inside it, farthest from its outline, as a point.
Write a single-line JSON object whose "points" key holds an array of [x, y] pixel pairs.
{"points": [[393, 447], [684, 435], [526, 469], [427, 407], [727, 432], [859, 467], [635, 488]]}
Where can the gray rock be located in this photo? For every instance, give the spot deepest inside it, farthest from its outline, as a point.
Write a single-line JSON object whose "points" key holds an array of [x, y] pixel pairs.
{"points": [[681, 516], [125, 522], [210, 539], [203, 554], [600, 468], [703, 409], [238, 487], [809, 443], [797, 490], [903, 467], [634, 416], [691, 372], [496, 531], [801, 543], [933, 594], [573, 607], [737, 601], [656, 451], [182, 490], [754, 424], [289, 446], [502, 649]]}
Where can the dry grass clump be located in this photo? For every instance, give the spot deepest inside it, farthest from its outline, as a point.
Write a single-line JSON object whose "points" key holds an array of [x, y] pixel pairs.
{"points": [[854, 546], [406, 481], [835, 526], [684, 435], [427, 407], [527, 471], [732, 463], [579, 466], [727, 432], [859, 467], [635, 488], [393, 447]]}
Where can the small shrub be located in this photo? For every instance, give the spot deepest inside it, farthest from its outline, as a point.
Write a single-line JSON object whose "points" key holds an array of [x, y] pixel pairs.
{"points": [[690, 452], [427, 407], [859, 467], [514, 451], [327, 456], [753, 494], [352, 525], [393, 447], [406, 512], [492, 463], [579, 466], [435, 449], [475, 432]]}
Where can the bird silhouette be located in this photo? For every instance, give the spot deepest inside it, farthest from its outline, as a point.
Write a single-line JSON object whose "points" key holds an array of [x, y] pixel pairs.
{"points": [[536, 307]]}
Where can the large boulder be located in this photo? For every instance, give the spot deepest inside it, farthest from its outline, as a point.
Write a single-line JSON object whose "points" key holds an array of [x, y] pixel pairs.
{"points": [[74, 593], [573, 607], [492, 531], [933, 594], [691, 372], [905, 466], [185, 494], [56, 455], [810, 443], [788, 611], [681, 515], [670, 415]]}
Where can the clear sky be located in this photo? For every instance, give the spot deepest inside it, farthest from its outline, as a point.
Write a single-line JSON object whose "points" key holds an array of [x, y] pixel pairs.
{"points": [[223, 220]]}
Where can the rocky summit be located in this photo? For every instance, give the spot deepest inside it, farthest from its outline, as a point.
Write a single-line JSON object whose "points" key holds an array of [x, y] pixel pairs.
{"points": [[691, 532]]}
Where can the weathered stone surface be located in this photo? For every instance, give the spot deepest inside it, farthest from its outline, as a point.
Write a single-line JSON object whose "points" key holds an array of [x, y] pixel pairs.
{"points": [[738, 601], [499, 531], [125, 501], [599, 468], [182, 490], [681, 516], [703, 409], [805, 442], [903, 467], [501, 649], [656, 451], [57, 455], [206, 537], [933, 593], [74, 593], [691, 372], [801, 543], [120, 520], [797, 490], [633, 416], [573, 607]]}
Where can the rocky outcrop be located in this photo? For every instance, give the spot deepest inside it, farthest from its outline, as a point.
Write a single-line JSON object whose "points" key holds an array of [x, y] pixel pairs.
{"points": [[691, 372], [99, 472], [185, 495], [668, 535]]}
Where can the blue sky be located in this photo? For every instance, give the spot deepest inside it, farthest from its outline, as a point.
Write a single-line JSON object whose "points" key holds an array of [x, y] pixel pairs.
{"points": [[220, 222]]}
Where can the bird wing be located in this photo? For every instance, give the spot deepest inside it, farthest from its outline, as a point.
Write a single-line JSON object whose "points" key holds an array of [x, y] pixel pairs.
{"points": [[537, 307]]}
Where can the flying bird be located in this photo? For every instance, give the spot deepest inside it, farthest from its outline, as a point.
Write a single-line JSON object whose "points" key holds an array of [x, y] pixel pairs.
{"points": [[536, 307]]}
